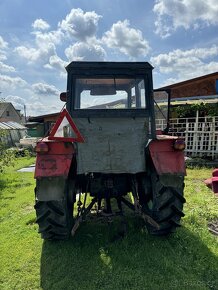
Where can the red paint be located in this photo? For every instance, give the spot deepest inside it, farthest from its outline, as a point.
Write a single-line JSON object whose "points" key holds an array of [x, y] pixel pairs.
{"points": [[159, 132], [52, 165], [165, 158], [59, 147], [212, 182], [215, 184], [55, 162], [208, 182], [215, 172], [41, 147], [79, 138]]}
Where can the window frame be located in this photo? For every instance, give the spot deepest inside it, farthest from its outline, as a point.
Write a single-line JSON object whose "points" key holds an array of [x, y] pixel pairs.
{"points": [[130, 112]]}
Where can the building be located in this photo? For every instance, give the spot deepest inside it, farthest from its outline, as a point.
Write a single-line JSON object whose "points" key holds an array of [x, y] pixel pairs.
{"points": [[197, 124], [40, 126], [12, 133], [206, 85], [9, 114], [201, 91]]}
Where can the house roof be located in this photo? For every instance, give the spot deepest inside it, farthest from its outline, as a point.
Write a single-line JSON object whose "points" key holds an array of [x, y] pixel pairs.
{"points": [[11, 126], [41, 117], [3, 107], [7, 105], [215, 74]]}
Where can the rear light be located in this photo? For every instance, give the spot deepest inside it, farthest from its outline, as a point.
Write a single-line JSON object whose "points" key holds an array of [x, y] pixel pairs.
{"points": [[179, 144], [63, 97], [42, 147]]}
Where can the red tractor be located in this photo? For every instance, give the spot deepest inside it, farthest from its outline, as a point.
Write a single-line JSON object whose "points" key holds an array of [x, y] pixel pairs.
{"points": [[104, 151]]}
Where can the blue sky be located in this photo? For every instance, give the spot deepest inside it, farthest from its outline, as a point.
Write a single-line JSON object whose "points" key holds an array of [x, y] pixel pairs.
{"points": [[39, 38]]}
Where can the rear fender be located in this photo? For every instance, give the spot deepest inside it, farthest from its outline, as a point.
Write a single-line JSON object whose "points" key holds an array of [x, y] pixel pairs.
{"points": [[57, 161], [165, 158], [50, 188]]}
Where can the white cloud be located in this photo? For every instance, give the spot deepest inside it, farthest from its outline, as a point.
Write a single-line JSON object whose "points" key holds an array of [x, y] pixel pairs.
{"points": [[31, 54], [6, 68], [43, 39], [186, 64], [45, 47], [41, 54], [3, 47], [38, 108], [57, 63], [83, 51], [34, 106], [17, 101], [2, 56], [40, 24], [128, 40], [3, 43], [44, 89], [8, 82], [80, 24], [172, 14]]}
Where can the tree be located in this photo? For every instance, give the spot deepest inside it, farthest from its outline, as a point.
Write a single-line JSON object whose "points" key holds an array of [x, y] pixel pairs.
{"points": [[6, 156]]}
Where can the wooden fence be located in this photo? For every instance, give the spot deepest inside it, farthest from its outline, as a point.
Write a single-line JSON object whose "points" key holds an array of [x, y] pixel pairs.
{"points": [[200, 133]]}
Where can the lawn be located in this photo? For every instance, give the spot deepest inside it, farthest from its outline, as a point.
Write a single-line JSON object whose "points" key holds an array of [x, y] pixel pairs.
{"points": [[92, 260]]}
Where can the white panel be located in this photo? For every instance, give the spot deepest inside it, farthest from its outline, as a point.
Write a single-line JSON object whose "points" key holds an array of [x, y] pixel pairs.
{"points": [[112, 145]]}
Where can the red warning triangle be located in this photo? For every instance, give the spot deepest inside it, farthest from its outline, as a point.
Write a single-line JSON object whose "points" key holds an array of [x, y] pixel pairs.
{"points": [[62, 128]]}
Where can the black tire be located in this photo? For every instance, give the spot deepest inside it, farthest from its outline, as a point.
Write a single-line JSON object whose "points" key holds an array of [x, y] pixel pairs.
{"points": [[54, 218], [166, 203]]}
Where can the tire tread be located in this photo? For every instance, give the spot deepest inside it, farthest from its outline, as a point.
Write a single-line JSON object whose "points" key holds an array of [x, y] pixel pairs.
{"points": [[167, 209], [52, 219]]}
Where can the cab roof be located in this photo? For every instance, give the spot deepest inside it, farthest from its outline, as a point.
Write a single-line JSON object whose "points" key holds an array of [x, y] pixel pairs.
{"points": [[87, 65]]}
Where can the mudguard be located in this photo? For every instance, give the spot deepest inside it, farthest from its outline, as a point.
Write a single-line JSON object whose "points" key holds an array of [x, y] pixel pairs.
{"points": [[165, 158], [56, 161]]}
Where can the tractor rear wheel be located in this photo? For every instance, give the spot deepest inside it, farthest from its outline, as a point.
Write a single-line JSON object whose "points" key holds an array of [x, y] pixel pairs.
{"points": [[166, 203], [54, 217]]}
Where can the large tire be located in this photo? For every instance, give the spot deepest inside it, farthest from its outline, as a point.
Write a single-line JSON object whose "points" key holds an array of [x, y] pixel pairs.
{"points": [[166, 203], [54, 217]]}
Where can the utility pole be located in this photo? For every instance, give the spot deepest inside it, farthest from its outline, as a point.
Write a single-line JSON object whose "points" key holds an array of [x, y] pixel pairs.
{"points": [[2, 100], [24, 108]]}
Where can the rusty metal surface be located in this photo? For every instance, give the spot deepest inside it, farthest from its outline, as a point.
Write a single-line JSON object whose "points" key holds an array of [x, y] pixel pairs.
{"points": [[56, 162], [52, 165], [113, 145], [166, 159], [58, 147]]}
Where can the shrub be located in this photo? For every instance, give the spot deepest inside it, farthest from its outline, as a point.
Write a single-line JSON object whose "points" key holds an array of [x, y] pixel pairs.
{"points": [[6, 156]]}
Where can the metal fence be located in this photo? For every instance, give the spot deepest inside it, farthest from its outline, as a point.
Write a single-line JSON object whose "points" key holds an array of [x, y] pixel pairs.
{"points": [[200, 133]]}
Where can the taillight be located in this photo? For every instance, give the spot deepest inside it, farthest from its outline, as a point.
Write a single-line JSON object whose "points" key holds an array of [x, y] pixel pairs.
{"points": [[179, 144], [41, 147]]}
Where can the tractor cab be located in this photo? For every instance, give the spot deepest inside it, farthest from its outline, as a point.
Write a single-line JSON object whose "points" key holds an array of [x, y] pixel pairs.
{"points": [[112, 106], [110, 89]]}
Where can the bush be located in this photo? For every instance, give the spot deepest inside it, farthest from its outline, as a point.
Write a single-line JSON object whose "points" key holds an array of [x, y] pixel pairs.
{"points": [[21, 152], [6, 156], [189, 110]]}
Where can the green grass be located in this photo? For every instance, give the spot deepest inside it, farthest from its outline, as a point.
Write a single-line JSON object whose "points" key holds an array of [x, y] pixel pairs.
{"points": [[90, 260]]}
